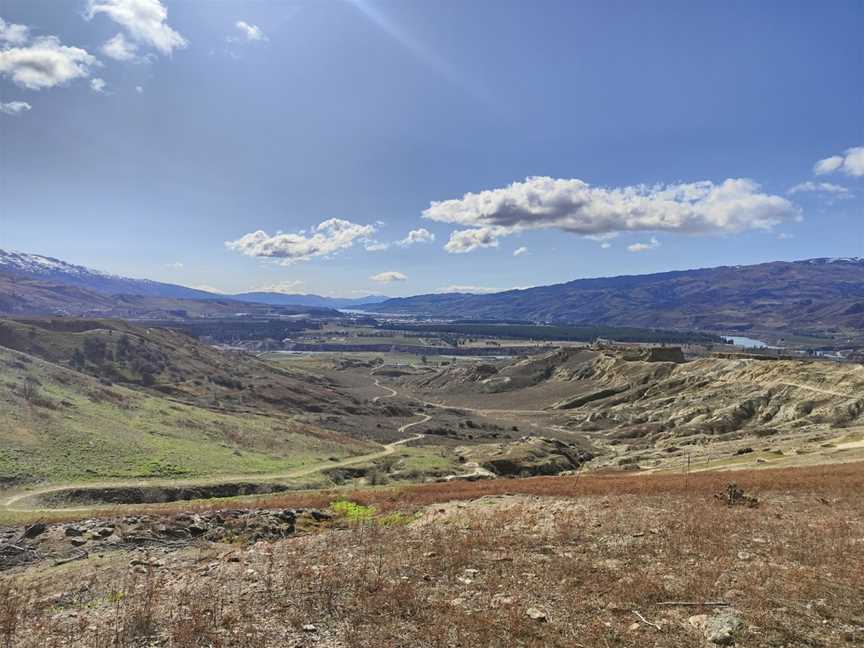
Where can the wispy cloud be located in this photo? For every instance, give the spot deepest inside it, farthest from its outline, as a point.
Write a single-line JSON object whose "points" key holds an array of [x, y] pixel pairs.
{"points": [[14, 107], [820, 187], [249, 32], [520, 251], [120, 48], [389, 277], [653, 244], [13, 34], [98, 85], [284, 287], [473, 290]]}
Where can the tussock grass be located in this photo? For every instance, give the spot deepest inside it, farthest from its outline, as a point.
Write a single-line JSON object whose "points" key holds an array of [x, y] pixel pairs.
{"points": [[466, 573]]}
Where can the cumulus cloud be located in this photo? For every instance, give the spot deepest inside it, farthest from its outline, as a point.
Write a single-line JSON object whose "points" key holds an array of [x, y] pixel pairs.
{"points": [[421, 235], [250, 32], [144, 20], [388, 277], [653, 244], [326, 238], [851, 163], [819, 187], [45, 63], [462, 241], [98, 85], [14, 107], [13, 34], [520, 251], [120, 49], [575, 206]]}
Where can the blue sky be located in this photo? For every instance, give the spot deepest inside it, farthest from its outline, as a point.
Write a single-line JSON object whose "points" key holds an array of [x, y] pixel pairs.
{"points": [[596, 138]]}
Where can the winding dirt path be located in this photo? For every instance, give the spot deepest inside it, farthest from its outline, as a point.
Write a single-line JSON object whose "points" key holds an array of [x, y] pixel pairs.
{"points": [[10, 502]]}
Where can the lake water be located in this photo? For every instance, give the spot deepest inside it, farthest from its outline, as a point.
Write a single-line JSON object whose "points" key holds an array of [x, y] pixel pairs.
{"points": [[746, 342]]}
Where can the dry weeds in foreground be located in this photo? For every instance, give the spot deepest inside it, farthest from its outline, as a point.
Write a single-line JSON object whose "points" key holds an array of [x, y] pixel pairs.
{"points": [[466, 574]]}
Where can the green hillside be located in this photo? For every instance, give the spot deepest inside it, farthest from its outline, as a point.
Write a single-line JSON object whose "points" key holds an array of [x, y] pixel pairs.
{"points": [[58, 425]]}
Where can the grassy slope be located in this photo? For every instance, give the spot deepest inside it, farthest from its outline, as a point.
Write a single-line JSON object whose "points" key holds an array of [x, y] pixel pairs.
{"points": [[75, 428], [180, 366]]}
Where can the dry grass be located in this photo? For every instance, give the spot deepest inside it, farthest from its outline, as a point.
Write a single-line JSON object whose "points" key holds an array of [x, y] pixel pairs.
{"points": [[588, 555]]}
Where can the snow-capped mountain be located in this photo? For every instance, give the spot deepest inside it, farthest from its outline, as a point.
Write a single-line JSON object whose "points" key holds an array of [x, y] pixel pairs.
{"points": [[36, 266]]}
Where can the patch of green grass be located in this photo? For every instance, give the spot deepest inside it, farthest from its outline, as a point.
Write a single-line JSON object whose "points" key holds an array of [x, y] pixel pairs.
{"points": [[352, 511], [76, 429], [396, 519]]}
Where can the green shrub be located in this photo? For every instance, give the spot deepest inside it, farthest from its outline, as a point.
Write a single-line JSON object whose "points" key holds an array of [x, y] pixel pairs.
{"points": [[352, 511]]}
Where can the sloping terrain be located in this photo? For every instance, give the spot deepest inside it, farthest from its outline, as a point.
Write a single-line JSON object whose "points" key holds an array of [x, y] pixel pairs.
{"points": [[641, 401], [26, 296], [169, 363], [588, 561], [57, 425], [817, 296], [51, 272]]}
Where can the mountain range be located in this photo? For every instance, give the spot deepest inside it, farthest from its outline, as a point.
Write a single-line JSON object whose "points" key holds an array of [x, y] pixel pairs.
{"points": [[813, 297], [49, 271], [816, 297]]}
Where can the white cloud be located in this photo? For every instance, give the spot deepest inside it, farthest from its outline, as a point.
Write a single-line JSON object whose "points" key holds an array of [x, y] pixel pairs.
{"points": [[828, 165], [285, 287], [605, 245], [388, 277], [14, 107], [784, 236], [474, 290], [326, 238], [13, 34], [851, 163], [574, 206], [45, 63], [375, 246], [250, 32], [177, 265], [462, 241], [144, 20], [120, 49], [421, 235], [139, 89], [819, 187], [97, 85], [209, 289], [653, 244], [520, 251]]}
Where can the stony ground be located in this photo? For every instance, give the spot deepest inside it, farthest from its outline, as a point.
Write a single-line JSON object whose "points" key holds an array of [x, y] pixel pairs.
{"points": [[636, 562]]}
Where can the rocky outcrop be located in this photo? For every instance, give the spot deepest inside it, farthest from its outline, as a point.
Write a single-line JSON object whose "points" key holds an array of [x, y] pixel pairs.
{"points": [[63, 542], [527, 457]]}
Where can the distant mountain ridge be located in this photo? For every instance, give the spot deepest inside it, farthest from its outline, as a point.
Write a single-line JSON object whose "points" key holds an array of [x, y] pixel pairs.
{"points": [[813, 295], [51, 270]]}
